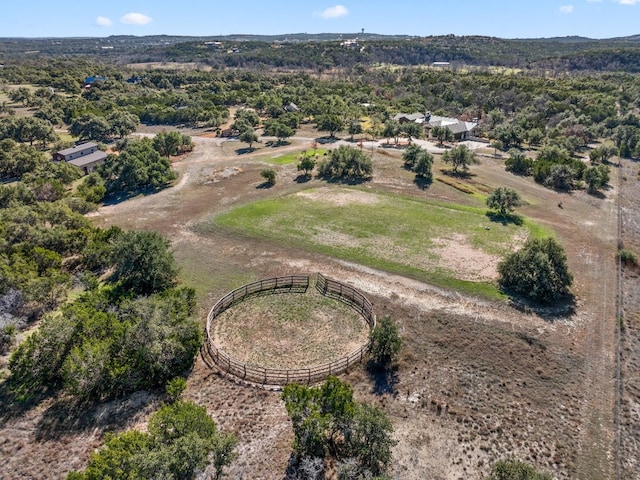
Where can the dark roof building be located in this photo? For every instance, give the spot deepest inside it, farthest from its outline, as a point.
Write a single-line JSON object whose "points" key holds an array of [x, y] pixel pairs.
{"points": [[85, 156]]}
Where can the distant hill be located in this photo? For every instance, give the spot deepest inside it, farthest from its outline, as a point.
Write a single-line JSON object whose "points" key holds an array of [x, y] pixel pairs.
{"points": [[330, 50]]}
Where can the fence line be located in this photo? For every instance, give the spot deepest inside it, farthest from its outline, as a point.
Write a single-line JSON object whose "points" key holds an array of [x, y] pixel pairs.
{"points": [[294, 284]]}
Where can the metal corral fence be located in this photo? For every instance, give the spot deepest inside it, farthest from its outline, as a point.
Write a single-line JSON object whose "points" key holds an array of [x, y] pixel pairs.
{"points": [[295, 284]]}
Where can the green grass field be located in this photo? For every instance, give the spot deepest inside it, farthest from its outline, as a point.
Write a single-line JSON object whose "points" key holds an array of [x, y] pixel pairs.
{"points": [[390, 232], [289, 158]]}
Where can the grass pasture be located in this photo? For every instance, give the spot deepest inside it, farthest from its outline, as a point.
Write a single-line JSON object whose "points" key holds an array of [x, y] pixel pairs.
{"points": [[289, 158], [390, 232]]}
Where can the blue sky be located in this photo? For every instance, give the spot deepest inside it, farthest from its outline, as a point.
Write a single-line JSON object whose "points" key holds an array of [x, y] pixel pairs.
{"points": [[500, 18]]}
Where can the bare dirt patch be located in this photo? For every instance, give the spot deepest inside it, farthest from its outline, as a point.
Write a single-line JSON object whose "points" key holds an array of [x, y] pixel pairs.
{"points": [[290, 330], [340, 198], [467, 262]]}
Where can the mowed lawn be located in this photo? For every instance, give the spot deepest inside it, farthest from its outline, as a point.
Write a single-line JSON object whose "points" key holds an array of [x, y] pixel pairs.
{"points": [[434, 242]]}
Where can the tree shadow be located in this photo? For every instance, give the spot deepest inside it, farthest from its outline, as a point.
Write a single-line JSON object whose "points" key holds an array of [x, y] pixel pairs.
{"points": [[265, 185], [384, 380], [326, 140], [69, 416], [303, 178], [423, 182], [563, 307], [12, 406], [597, 194], [505, 219], [346, 180], [116, 198], [277, 143], [457, 174], [244, 151]]}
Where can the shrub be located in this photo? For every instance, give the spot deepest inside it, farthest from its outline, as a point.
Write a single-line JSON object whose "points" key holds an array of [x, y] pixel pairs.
{"points": [[628, 257], [182, 440], [384, 342], [269, 176], [538, 271]]}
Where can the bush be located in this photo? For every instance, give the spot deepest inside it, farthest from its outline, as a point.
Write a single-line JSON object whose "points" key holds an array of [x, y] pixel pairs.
{"points": [[175, 388], [328, 421], [346, 163], [538, 271], [628, 257], [384, 342], [182, 440], [269, 176], [516, 470]]}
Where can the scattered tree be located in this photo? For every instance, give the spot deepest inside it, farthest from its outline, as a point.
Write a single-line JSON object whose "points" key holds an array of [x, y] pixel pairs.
{"points": [[384, 342], [306, 164], [249, 136], [504, 200], [443, 134], [460, 157], [518, 163], [538, 271], [269, 176], [329, 123], [347, 163]]}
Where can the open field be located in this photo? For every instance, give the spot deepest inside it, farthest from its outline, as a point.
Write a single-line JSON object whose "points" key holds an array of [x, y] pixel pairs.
{"points": [[477, 380], [447, 245]]}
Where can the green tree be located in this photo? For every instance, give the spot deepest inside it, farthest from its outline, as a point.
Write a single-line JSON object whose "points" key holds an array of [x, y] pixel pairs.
{"points": [[443, 134], [91, 127], [538, 271], [384, 342], [391, 129], [122, 123], [410, 155], [138, 166], [329, 123], [518, 163], [601, 154], [92, 188], [411, 130], [249, 136], [422, 167], [355, 128], [182, 440], [167, 143], [279, 130], [143, 262], [329, 425], [346, 162], [460, 157], [306, 164], [269, 175], [504, 200]]}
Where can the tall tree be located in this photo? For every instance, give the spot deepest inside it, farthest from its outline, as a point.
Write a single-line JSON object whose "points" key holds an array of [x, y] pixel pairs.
{"points": [[443, 134], [504, 200], [460, 157], [144, 262], [329, 123]]}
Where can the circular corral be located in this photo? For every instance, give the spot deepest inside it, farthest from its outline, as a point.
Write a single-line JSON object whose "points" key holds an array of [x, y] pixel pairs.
{"points": [[268, 372]]}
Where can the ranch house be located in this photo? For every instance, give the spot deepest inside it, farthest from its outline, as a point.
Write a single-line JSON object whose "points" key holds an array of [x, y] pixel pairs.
{"points": [[85, 156]]}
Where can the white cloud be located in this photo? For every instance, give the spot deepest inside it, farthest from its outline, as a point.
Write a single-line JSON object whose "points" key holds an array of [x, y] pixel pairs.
{"points": [[627, 2], [566, 8], [103, 22], [333, 12], [136, 19]]}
